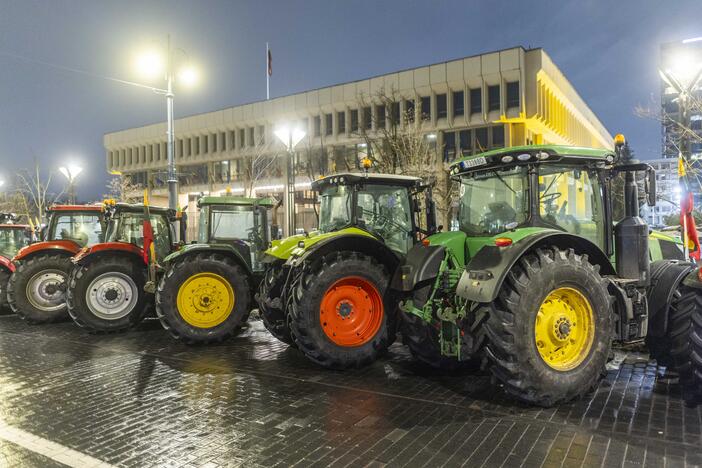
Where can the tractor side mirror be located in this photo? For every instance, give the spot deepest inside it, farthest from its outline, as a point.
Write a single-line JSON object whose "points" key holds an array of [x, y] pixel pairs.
{"points": [[651, 186]]}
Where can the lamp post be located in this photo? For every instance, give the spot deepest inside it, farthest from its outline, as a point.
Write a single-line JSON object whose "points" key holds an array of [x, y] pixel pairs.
{"points": [[290, 137], [152, 63], [71, 172]]}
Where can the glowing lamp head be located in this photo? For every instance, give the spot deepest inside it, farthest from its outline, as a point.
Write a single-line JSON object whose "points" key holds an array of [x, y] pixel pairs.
{"points": [[150, 63], [188, 76]]}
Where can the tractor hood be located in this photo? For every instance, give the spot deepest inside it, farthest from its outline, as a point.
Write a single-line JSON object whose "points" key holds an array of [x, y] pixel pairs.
{"points": [[296, 245]]}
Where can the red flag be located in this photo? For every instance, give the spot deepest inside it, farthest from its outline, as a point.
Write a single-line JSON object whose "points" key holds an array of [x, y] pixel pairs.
{"points": [[148, 229], [688, 221], [270, 63]]}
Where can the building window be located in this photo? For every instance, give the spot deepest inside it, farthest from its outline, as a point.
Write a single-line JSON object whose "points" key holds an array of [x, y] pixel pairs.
{"points": [[195, 146], [409, 110], [498, 136], [205, 144], [261, 135], [328, 124], [341, 122], [458, 103], [317, 125], [449, 146], [512, 94], [481, 139], [476, 101], [367, 118], [354, 120], [426, 107], [493, 98], [252, 139], [441, 110], [395, 113], [464, 142], [223, 141], [242, 138], [379, 117]]}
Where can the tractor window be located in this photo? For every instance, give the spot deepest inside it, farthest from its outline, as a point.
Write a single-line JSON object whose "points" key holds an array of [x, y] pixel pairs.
{"points": [[385, 210], [11, 240], [83, 229], [130, 229], [234, 222], [570, 198], [335, 208], [493, 200]]}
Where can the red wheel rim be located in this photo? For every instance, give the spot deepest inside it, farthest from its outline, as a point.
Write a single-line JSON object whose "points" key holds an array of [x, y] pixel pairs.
{"points": [[351, 312]]}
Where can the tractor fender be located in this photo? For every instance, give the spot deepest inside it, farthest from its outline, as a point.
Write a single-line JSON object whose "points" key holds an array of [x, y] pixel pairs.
{"points": [[194, 249], [666, 276], [97, 251], [486, 271], [354, 243], [694, 279], [6, 263], [66, 247], [421, 265]]}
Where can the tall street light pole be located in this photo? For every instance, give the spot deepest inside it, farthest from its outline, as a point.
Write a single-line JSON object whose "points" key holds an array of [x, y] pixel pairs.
{"points": [[290, 137]]}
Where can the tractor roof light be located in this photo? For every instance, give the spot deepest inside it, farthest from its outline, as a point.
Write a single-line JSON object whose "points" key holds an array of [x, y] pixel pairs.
{"points": [[619, 140], [507, 159], [524, 157], [541, 155]]}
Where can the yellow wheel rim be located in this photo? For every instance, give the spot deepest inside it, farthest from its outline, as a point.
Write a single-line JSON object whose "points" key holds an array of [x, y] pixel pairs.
{"points": [[205, 300], [564, 330]]}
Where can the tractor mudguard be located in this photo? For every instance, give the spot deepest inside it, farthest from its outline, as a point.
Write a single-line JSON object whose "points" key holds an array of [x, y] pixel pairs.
{"points": [[70, 248], [7, 264], [350, 242], [422, 264], [96, 251], [666, 276], [226, 249], [486, 271], [693, 279]]}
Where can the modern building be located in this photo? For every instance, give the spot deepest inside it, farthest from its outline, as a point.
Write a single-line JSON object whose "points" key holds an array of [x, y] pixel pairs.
{"points": [[667, 190], [511, 97]]}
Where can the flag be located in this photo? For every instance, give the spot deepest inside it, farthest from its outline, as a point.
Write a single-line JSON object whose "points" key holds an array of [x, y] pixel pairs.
{"points": [[270, 63], [148, 230], [688, 222]]}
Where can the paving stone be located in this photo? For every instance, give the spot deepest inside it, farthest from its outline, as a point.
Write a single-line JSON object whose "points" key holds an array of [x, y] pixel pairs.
{"points": [[143, 399]]}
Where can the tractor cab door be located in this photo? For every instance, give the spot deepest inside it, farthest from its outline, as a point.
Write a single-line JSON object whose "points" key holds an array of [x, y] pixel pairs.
{"points": [[570, 199], [163, 236], [386, 210], [83, 228]]}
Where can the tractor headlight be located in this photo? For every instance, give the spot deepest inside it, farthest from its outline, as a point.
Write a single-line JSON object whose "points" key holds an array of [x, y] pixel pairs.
{"points": [[541, 155], [507, 159]]}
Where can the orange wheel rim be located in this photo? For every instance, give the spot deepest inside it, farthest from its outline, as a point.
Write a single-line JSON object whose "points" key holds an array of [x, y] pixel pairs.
{"points": [[351, 312]]}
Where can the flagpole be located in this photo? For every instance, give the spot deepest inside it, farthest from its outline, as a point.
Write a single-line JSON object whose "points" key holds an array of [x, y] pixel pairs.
{"points": [[268, 77]]}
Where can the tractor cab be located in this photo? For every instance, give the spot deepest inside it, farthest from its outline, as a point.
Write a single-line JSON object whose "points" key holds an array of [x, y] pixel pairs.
{"points": [[13, 236], [79, 224], [125, 224], [384, 205], [240, 222]]}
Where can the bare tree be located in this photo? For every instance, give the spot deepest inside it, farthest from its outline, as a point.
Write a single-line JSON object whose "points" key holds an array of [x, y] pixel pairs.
{"points": [[400, 145], [257, 163], [34, 187], [122, 189]]}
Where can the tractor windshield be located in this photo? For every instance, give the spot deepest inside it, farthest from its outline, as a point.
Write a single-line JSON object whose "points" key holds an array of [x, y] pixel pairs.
{"points": [[335, 208], [11, 240], [129, 228], [81, 228], [236, 222], [493, 201]]}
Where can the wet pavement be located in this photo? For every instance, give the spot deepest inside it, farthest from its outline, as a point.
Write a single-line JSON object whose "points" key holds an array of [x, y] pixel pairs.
{"points": [[142, 399]]}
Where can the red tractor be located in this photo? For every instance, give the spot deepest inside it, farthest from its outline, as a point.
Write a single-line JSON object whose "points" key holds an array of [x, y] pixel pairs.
{"points": [[36, 289], [111, 285], [12, 238]]}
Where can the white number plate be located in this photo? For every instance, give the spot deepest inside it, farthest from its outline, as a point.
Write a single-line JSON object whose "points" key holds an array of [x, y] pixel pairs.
{"points": [[481, 161]]}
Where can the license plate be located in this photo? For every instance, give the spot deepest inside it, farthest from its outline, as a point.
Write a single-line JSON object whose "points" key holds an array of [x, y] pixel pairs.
{"points": [[480, 161]]}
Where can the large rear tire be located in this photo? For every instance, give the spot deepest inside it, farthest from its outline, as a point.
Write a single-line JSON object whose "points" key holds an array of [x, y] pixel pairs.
{"points": [[685, 332], [549, 332], [270, 302], [341, 314], [203, 299], [107, 295], [36, 290]]}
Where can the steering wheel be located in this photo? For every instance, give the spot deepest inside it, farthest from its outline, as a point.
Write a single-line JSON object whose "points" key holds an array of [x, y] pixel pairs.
{"points": [[381, 221], [549, 198]]}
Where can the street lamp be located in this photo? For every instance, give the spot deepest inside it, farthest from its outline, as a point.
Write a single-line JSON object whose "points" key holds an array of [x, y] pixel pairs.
{"points": [[152, 63], [290, 137], [71, 172]]}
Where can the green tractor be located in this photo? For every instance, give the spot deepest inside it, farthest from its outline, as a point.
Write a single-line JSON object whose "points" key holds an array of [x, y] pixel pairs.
{"points": [[540, 281], [205, 294], [326, 292]]}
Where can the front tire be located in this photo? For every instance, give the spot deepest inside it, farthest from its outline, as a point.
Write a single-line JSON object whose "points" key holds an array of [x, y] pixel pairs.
{"points": [[107, 295], [549, 332], [270, 302], [342, 315], [36, 290], [203, 300], [685, 335]]}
